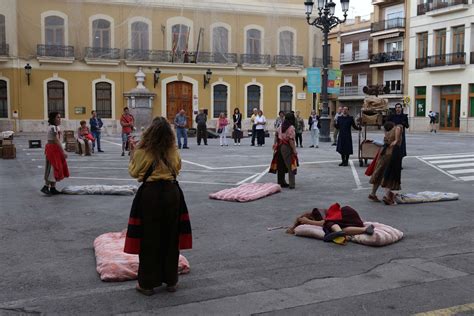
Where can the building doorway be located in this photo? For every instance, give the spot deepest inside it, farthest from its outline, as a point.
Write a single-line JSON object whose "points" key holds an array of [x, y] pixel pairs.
{"points": [[449, 112], [179, 96]]}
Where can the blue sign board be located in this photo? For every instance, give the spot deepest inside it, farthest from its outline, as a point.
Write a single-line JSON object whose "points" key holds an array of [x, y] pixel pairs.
{"points": [[314, 80]]}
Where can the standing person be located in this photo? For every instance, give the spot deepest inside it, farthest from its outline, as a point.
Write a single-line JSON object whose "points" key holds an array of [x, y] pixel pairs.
{"points": [[201, 121], [285, 156], [279, 120], [237, 130], [299, 129], [392, 175], [85, 139], [432, 117], [399, 118], [344, 140], [56, 166], [126, 121], [254, 131], [180, 122], [159, 222], [222, 123], [314, 126], [96, 128], [260, 122], [336, 130]]}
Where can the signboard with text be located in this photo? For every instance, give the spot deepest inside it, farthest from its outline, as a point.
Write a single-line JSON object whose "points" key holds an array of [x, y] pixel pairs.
{"points": [[314, 80], [334, 81]]}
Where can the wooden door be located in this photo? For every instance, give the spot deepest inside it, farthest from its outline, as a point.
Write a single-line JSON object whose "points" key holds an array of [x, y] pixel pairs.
{"points": [[179, 96], [450, 111]]}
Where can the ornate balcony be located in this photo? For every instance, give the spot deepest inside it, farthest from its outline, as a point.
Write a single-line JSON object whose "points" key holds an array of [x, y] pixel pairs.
{"points": [[216, 58], [387, 59], [355, 57], [55, 54], [102, 56], [397, 23], [436, 61], [255, 61], [4, 49], [318, 62], [288, 62], [438, 7]]}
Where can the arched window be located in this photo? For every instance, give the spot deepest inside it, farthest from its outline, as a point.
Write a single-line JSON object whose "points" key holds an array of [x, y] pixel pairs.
{"points": [[55, 90], [54, 30], [103, 99], [253, 98], [3, 99], [286, 98], [286, 43], [140, 36], [220, 40], [220, 100], [3, 34], [180, 37], [254, 42], [101, 34]]}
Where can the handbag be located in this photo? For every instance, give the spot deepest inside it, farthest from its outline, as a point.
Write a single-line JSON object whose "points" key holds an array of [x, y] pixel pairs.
{"points": [[219, 130]]}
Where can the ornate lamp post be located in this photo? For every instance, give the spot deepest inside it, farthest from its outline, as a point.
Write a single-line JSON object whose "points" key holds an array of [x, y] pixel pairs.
{"points": [[325, 21]]}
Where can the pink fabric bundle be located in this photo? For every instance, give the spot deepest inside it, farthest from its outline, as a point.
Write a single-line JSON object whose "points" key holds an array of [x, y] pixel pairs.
{"points": [[383, 234], [114, 265], [247, 192]]}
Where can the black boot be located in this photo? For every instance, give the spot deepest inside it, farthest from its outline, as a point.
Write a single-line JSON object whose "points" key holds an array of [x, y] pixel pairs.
{"points": [[343, 160]]}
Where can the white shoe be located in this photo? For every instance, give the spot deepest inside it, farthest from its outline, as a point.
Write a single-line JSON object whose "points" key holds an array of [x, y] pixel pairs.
{"points": [[239, 144], [263, 145], [235, 144]]}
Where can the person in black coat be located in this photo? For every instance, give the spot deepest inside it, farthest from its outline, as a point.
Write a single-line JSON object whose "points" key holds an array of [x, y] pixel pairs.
{"points": [[237, 132], [344, 140], [400, 119]]}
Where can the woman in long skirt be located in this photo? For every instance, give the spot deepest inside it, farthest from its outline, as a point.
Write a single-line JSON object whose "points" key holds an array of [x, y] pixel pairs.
{"points": [[161, 207], [56, 166]]}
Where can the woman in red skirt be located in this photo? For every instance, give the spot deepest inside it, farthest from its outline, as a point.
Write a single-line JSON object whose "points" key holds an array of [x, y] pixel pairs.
{"points": [[56, 166]]}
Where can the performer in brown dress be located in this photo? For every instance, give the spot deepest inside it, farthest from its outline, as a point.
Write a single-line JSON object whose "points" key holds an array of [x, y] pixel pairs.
{"points": [[388, 165]]}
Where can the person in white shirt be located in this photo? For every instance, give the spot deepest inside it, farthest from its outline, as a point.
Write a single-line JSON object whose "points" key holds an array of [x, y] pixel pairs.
{"points": [[314, 125], [432, 116], [260, 122]]}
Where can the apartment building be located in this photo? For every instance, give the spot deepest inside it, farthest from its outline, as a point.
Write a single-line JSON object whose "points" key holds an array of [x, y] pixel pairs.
{"points": [[441, 68], [389, 61], [78, 56], [354, 60]]}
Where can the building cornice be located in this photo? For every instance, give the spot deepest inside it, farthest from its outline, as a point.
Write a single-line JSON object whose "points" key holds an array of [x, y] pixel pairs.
{"points": [[237, 6]]}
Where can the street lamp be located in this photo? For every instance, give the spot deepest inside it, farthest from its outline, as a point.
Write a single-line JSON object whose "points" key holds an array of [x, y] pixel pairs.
{"points": [[156, 77], [28, 72], [325, 21], [207, 77]]}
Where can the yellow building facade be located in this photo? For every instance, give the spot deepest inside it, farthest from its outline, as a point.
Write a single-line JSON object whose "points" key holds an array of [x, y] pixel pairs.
{"points": [[84, 56]]}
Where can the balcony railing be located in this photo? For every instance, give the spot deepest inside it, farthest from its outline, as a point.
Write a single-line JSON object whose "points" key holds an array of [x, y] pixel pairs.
{"points": [[441, 60], [388, 24], [351, 91], [255, 59], [55, 51], [167, 56], [354, 56], [386, 57], [318, 62], [438, 4], [288, 61], [102, 53], [216, 58], [4, 49]]}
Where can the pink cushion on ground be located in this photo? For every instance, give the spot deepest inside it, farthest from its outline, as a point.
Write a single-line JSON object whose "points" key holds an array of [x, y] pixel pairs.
{"points": [[309, 231], [383, 234], [115, 265], [247, 192]]}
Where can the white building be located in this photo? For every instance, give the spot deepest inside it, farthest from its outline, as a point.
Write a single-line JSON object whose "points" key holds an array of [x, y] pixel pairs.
{"points": [[441, 63]]}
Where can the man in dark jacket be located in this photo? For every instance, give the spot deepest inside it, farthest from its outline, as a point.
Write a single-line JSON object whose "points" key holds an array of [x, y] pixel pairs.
{"points": [[344, 142], [201, 121], [96, 128]]}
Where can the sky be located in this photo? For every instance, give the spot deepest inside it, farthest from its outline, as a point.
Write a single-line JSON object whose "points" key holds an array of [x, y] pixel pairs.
{"points": [[356, 7]]}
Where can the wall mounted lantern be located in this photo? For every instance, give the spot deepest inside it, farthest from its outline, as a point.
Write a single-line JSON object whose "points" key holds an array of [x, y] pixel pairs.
{"points": [[156, 77], [28, 72], [207, 77]]}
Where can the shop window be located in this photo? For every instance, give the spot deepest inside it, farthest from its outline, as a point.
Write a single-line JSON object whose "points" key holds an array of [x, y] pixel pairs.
{"points": [[420, 101], [471, 100]]}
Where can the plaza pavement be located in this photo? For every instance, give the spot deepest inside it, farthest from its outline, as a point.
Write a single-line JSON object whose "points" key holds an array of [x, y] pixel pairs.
{"points": [[237, 265]]}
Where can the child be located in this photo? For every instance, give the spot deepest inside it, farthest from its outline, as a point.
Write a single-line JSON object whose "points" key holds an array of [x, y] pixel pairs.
{"points": [[85, 139]]}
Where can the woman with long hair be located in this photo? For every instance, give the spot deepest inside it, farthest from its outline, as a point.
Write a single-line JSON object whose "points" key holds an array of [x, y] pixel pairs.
{"points": [[285, 159], [159, 222], [56, 166], [222, 124], [237, 133]]}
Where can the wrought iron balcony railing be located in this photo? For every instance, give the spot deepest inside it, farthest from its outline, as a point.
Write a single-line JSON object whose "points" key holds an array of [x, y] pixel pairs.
{"points": [[351, 91], [102, 53], [216, 58], [318, 62], [388, 24], [255, 59], [354, 56], [4, 49], [167, 56], [386, 57], [288, 61], [438, 4], [55, 51], [441, 60]]}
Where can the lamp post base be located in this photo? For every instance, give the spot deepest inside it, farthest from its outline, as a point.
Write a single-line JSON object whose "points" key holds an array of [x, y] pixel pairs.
{"points": [[324, 132]]}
